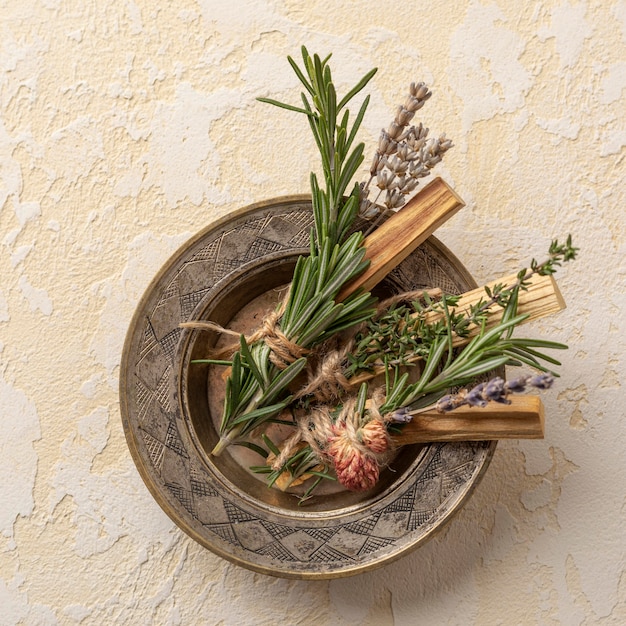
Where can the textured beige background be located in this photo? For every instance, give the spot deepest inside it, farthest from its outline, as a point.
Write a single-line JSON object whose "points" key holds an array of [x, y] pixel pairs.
{"points": [[128, 125]]}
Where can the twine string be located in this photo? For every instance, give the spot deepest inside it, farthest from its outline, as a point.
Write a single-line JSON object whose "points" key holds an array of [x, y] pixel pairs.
{"points": [[283, 351]]}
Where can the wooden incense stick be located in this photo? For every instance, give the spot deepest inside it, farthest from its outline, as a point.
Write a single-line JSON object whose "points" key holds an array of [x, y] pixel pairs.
{"points": [[403, 232], [522, 419]]}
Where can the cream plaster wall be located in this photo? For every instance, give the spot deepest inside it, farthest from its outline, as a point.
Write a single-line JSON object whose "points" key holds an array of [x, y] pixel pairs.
{"points": [[128, 125]]}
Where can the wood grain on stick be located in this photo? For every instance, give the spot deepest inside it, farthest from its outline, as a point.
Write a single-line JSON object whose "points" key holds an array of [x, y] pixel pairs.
{"points": [[403, 232], [524, 418]]}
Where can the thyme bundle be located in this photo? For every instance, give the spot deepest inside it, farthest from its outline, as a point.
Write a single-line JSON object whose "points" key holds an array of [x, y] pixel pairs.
{"points": [[401, 333]]}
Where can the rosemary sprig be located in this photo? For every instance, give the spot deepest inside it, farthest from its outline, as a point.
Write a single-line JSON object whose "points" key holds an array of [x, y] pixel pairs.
{"points": [[257, 388], [487, 351], [334, 136]]}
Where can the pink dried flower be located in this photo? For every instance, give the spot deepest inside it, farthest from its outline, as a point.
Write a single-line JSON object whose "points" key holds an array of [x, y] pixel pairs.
{"points": [[356, 469]]}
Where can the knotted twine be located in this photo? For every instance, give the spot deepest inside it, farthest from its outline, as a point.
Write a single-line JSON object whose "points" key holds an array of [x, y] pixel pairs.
{"points": [[283, 351], [326, 381]]}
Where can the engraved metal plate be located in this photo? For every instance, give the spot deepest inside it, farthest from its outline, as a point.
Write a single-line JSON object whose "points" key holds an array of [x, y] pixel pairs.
{"points": [[202, 499]]}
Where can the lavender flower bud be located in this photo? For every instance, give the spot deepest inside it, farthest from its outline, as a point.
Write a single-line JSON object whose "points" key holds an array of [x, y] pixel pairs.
{"points": [[386, 144], [401, 184], [495, 391], [394, 199], [409, 186], [417, 169], [444, 144], [383, 142], [420, 91], [418, 132], [383, 180], [376, 164], [401, 416], [368, 209], [474, 396], [403, 152], [394, 130], [398, 166], [417, 97], [446, 404], [517, 385], [541, 381], [404, 116]]}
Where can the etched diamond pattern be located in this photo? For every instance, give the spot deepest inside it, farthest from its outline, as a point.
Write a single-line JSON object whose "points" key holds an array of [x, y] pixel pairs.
{"points": [[375, 543], [149, 341], [173, 441], [326, 554], [169, 343], [261, 247], [155, 449], [183, 496], [189, 301], [209, 252], [323, 534], [277, 551], [237, 514]]}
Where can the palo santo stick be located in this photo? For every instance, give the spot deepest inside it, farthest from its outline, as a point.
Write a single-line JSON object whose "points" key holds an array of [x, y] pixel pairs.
{"points": [[541, 298], [403, 232], [524, 418]]}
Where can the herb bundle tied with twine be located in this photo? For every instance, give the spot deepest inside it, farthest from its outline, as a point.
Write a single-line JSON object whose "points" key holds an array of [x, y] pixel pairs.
{"points": [[299, 367]]}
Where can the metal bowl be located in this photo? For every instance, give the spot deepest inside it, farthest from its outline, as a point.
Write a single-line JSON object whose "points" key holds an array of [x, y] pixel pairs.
{"points": [[170, 409]]}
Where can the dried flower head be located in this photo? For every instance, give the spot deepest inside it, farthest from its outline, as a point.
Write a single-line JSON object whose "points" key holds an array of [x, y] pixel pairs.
{"points": [[356, 469], [374, 436]]}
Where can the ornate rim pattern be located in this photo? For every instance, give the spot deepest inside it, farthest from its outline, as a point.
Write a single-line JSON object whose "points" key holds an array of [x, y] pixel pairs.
{"points": [[251, 534]]}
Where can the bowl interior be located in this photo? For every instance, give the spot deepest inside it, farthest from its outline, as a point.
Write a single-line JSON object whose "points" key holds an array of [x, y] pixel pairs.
{"points": [[240, 300]]}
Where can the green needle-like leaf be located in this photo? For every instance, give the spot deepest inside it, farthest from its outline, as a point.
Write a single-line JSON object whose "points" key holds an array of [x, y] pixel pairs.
{"points": [[250, 362], [283, 105], [283, 380]]}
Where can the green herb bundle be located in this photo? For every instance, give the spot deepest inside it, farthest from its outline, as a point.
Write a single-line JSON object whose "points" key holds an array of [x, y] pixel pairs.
{"points": [[265, 367], [256, 390], [401, 333]]}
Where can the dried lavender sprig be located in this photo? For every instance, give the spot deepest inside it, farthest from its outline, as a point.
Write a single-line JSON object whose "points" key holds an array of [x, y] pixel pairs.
{"points": [[404, 156], [397, 133], [494, 390]]}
